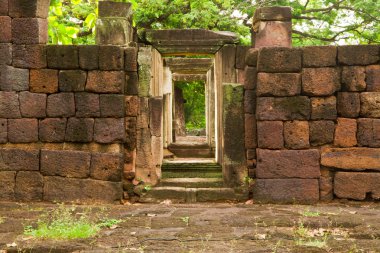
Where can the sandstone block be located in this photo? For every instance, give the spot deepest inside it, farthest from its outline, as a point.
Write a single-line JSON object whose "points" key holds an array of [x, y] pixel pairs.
{"points": [[313, 78], [282, 163], [29, 56], [105, 81], [155, 117], [9, 105], [323, 108], [250, 79], [270, 134], [29, 31], [250, 131], [27, 8], [79, 130], [19, 160], [251, 57], [29, 186], [241, 52], [5, 52], [358, 54], [109, 130], [44, 80], [52, 130], [114, 9], [370, 104], [131, 105], [353, 78], [130, 132], [345, 133], [130, 59], [112, 105], [249, 101], [357, 185], [132, 83], [287, 108], [4, 7], [89, 57], [251, 154], [278, 84], [369, 132], [296, 134], [279, 59], [273, 34], [292, 190], [32, 105], [348, 104], [122, 31], [3, 131], [6, 29], [319, 56], [356, 159], [87, 105], [111, 58], [72, 80], [61, 105], [107, 167], [13, 79], [373, 77], [326, 185], [7, 181], [81, 190], [65, 163], [22, 130], [321, 132], [63, 57]]}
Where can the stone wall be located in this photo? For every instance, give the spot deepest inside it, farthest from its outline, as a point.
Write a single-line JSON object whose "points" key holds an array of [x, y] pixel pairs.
{"points": [[313, 122], [67, 113]]}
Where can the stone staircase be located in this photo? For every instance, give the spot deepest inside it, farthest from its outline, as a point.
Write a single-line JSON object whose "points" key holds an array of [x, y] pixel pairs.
{"points": [[190, 181]]}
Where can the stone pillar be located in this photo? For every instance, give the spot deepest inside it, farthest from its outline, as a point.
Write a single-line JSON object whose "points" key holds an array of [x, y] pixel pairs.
{"points": [[234, 165], [272, 27], [114, 26]]}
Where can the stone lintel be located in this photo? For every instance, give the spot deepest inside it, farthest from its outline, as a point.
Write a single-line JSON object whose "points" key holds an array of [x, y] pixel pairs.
{"points": [[189, 65], [189, 77]]}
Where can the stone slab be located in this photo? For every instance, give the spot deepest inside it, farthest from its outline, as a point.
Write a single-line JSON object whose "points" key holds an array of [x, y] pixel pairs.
{"points": [[357, 186]]}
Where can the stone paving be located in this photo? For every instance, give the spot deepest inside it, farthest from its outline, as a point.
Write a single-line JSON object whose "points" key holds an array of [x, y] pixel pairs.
{"points": [[212, 227]]}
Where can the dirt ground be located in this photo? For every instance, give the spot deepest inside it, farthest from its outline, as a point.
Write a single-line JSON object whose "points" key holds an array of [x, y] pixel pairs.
{"points": [[334, 227]]}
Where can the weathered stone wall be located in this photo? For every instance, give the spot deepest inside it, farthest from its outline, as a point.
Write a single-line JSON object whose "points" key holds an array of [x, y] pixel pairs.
{"points": [[317, 130], [68, 114]]}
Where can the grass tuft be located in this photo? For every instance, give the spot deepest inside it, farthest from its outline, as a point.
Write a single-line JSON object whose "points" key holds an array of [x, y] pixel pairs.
{"points": [[64, 223]]}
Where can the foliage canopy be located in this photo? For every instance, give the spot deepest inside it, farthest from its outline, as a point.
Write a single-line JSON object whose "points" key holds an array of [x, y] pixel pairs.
{"points": [[315, 22]]}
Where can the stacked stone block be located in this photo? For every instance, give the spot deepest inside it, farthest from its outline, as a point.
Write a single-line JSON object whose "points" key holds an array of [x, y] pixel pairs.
{"points": [[317, 112], [66, 112]]}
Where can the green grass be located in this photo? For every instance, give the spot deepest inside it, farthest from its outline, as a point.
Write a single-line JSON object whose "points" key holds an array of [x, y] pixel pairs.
{"points": [[310, 214], [1, 220], [64, 223]]}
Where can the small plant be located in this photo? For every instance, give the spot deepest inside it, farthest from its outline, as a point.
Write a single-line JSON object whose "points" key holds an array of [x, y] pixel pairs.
{"points": [[186, 220], [1, 220], [312, 238], [308, 213], [64, 223], [147, 188]]}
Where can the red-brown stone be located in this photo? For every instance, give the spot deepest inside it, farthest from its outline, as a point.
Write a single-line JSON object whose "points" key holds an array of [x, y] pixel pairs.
{"points": [[287, 163], [89, 57], [369, 132], [270, 134], [345, 133], [250, 131], [65, 163], [29, 31], [9, 105], [52, 129], [319, 56], [87, 105], [107, 167], [28, 8], [373, 77], [353, 78], [61, 105], [358, 54], [79, 130], [296, 134], [6, 29], [106, 81], [323, 108], [62, 57], [22, 130], [278, 84], [111, 58], [29, 56], [29, 186], [279, 59], [112, 105], [72, 80], [131, 105], [312, 78], [18, 159], [109, 130], [32, 105], [7, 181], [44, 80], [370, 104], [348, 104], [357, 186], [321, 132]]}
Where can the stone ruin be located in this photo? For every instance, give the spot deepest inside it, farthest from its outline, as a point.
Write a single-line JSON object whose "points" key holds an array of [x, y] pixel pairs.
{"points": [[91, 123]]}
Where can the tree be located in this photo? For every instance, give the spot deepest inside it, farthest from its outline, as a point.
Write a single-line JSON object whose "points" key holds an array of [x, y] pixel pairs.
{"points": [[315, 22]]}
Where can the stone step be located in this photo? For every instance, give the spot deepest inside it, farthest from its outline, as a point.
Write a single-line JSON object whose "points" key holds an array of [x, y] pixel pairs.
{"points": [[196, 151], [192, 195], [191, 170], [192, 182], [191, 174]]}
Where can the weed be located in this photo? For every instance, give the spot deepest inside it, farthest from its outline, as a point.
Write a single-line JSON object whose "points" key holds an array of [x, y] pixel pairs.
{"points": [[147, 188], [308, 213], [64, 223], [312, 238], [186, 220], [2, 220]]}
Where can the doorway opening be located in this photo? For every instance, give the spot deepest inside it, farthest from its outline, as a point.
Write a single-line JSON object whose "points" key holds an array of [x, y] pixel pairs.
{"points": [[190, 112]]}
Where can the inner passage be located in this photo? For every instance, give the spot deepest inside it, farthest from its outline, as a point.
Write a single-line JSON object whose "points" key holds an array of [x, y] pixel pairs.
{"points": [[190, 111]]}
